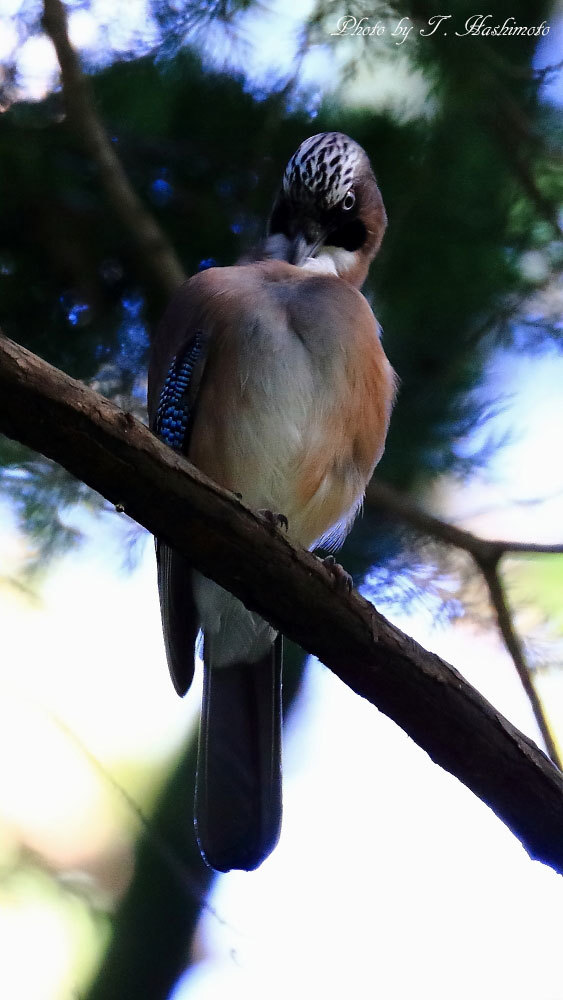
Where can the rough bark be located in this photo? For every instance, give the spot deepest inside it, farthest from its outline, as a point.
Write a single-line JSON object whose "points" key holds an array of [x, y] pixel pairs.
{"points": [[117, 456]]}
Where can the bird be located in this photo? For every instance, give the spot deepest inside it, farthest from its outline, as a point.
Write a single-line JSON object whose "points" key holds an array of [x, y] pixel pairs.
{"points": [[270, 377]]}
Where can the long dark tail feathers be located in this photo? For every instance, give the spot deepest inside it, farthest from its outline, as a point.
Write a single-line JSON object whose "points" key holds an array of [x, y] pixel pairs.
{"points": [[238, 803]]}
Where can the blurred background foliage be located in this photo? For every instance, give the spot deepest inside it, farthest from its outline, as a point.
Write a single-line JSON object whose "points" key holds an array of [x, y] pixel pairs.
{"points": [[467, 153], [469, 183]]}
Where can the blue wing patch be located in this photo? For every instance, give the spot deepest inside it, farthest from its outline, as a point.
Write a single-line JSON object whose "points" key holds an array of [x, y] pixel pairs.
{"points": [[176, 403]]}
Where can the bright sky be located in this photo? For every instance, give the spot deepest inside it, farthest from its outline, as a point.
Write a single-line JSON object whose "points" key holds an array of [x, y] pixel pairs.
{"points": [[391, 880], [263, 49]]}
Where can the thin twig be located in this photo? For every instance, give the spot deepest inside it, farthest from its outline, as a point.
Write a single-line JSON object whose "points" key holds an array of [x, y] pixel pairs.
{"points": [[513, 644], [153, 249], [487, 554], [544, 72], [402, 508], [168, 855]]}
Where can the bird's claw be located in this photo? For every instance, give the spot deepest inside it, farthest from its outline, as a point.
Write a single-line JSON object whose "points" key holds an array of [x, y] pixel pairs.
{"points": [[274, 520], [342, 580]]}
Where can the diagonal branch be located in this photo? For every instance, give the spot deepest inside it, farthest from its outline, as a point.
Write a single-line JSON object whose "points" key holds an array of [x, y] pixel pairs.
{"points": [[514, 647], [400, 507], [115, 454], [151, 245], [487, 554]]}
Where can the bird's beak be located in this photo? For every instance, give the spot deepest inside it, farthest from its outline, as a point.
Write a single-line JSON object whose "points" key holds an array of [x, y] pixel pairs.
{"points": [[301, 247]]}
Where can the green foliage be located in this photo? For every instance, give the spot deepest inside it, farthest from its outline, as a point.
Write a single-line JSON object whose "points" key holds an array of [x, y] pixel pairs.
{"points": [[206, 156], [538, 580]]}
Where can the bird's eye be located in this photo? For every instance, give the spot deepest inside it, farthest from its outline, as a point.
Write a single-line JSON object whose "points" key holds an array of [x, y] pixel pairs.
{"points": [[349, 200]]}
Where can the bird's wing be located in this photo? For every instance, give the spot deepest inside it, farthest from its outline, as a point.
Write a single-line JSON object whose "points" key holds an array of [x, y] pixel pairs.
{"points": [[180, 622], [175, 376]]}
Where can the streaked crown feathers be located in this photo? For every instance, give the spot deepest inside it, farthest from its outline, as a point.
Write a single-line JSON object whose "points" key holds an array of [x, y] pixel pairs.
{"points": [[323, 167]]}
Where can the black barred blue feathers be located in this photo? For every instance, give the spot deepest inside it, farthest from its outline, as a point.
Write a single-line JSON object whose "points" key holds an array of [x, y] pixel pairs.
{"points": [[175, 404]]}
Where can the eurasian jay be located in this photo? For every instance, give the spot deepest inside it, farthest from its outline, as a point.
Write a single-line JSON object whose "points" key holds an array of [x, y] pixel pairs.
{"points": [[271, 378]]}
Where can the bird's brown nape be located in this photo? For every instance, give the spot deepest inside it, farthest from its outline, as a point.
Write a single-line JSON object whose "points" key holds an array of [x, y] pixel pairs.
{"points": [[373, 213]]}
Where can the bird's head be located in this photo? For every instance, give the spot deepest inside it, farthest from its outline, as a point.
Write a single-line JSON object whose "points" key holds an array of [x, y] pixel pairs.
{"points": [[329, 215]]}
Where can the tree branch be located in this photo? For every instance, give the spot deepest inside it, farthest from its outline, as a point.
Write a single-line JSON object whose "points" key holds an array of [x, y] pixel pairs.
{"points": [[153, 249], [117, 456], [402, 508], [487, 554], [514, 647]]}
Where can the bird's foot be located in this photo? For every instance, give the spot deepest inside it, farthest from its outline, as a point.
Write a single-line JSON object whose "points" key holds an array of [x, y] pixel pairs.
{"points": [[274, 521], [342, 580]]}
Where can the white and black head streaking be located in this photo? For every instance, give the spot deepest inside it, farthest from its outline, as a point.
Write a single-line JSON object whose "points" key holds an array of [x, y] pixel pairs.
{"points": [[329, 215]]}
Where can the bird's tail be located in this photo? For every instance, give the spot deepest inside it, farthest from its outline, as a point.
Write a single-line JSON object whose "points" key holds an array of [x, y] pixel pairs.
{"points": [[238, 792]]}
